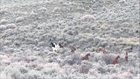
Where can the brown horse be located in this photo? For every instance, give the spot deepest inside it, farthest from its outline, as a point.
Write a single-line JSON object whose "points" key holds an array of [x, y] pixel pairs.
{"points": [[115, 60], [102, 50], [73, 49], [85, 57], [126, 56]]}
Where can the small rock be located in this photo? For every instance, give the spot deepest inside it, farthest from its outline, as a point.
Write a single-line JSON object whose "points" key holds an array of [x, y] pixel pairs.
{"points": [[43, 10], [3, 21], [2, 27], [20, 19], [87, 17], [2, 11], [11, 26], [56, 9], [6, 61]]}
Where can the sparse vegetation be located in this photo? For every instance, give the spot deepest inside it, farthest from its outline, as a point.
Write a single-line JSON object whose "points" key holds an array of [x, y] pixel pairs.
{"points": [[27, 27]]}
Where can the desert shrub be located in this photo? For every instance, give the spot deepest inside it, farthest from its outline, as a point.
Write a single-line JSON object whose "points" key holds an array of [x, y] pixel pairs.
{"points": [[108, 58], [84, 69], [97, 56], [72, 59], [23, 69], [5, 76], [101, 69], [127, 75], [9, 32], [76, 58], [32, 74], [1, 68], [1, 46], [13, 72], [111, 69], [88, 63], [114, 76]]}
